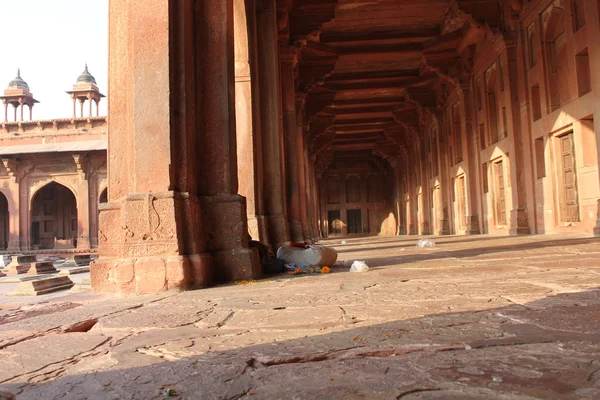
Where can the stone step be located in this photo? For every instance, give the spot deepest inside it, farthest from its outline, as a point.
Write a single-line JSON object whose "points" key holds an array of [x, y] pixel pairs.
{"points": [[35, 286]]}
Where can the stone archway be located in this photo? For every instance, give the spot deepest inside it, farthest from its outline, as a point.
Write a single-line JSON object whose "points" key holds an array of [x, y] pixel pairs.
{"points": [[53, 218], [4, 222], [103, 196]]}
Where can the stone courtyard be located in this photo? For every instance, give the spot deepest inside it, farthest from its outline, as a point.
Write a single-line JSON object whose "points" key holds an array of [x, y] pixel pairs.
{"points": [[487, 317]]}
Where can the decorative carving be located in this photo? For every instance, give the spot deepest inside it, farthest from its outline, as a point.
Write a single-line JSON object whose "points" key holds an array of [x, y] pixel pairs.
{"points": [[11, 168]]}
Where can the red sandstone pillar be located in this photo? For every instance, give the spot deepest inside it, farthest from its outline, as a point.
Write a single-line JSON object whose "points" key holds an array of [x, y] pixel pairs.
{"points": [[83, 213], [471, 152], [249, 152], [293, 155], [446, 183], [594, 53], [303, 176], [173, 212], [225, 210], [521, 148], [271, 132]]}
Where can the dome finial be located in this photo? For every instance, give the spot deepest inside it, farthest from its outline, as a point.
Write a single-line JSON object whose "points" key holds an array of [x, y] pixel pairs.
{"points": [[18, 82], [86, 77]]}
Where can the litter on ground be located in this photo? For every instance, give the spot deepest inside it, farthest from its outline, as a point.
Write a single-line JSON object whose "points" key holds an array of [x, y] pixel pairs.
{"points": [[359, 266], [422, 243]]}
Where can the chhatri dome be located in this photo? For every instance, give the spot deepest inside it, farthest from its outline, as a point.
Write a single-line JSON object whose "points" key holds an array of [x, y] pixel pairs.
{"points": [[86, 77], [19, 83]]}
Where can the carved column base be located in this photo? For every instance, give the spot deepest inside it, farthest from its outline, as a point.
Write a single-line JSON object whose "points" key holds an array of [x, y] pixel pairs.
{"points": [[154, 242], [278, 231], [473, 225], [225, 217], [425, 228], [402, 230], [144, 275], [413, 229], [306, 233], [14, 245], [445, 224], [296, 233], [519, 222], [83, 243]]}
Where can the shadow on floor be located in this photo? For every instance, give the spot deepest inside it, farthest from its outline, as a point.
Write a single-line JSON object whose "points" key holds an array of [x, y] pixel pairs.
{"points": [[546, 349]]}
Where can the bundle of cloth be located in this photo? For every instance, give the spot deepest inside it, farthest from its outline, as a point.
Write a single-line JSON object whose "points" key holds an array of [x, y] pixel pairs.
{"points": [[307, 254]]}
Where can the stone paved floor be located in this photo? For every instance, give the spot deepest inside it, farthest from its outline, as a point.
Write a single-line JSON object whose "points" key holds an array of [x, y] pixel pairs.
{"points": [[472, 318]]}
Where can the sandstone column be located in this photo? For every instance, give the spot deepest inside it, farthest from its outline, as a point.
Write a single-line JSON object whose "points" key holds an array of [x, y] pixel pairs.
{"points": [[425, 207], [305, 187], [173, 208], [445, 184], [472, 156], [293, 155], [247, 115], [594, 53], [83, 213], [225, 210], [272, 138], [522, 167]]}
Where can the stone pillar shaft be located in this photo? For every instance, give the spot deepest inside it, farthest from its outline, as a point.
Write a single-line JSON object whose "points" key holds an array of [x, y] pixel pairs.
{"points": [[272, 138], [293, 157], [174, 220]]}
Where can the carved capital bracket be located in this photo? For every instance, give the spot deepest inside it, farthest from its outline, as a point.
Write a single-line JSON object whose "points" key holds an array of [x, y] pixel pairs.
{"points": [[11, 168], [80, 164]]}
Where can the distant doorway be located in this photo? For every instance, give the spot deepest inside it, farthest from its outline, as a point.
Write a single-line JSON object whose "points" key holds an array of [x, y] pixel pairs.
{"points": [[354, 222], [54, 218]]}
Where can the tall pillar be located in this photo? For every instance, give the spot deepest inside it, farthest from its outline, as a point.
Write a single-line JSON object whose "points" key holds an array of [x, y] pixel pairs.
{"points": [[83, 213], [444, 167], [293, 155], [21, 108], [305, 186], [174, 220], [272, 138], [593, 12], [247, 116], [522, 169], [5, 111], [225, 210], [425, 207], [470, 142]]}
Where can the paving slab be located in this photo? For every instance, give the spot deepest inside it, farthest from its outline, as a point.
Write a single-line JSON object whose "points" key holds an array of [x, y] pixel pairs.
{"points": [[471, 318]]}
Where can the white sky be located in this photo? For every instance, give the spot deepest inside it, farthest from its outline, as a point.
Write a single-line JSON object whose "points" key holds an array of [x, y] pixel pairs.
{"points": [[51, 40]]}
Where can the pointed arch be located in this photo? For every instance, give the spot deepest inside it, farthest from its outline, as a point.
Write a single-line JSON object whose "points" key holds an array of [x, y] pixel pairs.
{"points": [[53, 216]]}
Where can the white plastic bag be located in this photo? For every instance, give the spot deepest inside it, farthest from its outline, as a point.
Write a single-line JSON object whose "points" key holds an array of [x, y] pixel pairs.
{"points": [[422, 243], [359, 266]]}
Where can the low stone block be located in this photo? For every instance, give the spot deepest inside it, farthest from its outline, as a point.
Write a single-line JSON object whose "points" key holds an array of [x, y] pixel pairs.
{"points": [[20, 264], [100, 275], [84, 259], [2, 274], [74, 270], [40, 268], [41, 285]]}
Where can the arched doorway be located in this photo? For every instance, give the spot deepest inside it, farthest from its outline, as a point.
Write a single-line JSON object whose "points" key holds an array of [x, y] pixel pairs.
{"points": [[4, 227], [103, 196], [54, 218]]}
